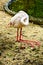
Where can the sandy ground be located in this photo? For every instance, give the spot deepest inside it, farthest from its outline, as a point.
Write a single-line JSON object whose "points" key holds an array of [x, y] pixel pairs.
{"points": [[10, 53]]}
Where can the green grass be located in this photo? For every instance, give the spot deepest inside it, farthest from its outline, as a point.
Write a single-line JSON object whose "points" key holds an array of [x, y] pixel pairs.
{"points": [[34, 8]]}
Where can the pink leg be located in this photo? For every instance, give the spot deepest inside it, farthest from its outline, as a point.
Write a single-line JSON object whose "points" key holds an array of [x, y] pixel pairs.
{"points": [[28, 41], [25, 41], [20, 34]]}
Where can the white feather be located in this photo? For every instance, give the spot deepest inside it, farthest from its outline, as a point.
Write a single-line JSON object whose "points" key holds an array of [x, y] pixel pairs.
{"points": [[20, 19]]}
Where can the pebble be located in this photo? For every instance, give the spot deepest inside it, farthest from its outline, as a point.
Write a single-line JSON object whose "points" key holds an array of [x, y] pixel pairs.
{"points": [[27, 60], [13, 58], [33, 49], [18, 51]]}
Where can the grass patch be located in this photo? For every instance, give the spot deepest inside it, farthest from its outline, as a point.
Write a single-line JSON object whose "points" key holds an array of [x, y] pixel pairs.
{"points": [[32, 7]]}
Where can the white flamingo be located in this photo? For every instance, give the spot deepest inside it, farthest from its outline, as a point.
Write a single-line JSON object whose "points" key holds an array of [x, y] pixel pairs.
{"points": [[20, 20]]}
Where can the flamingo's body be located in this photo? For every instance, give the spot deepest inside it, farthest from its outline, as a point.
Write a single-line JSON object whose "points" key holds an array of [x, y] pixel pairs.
{"points": [[20, 20]]}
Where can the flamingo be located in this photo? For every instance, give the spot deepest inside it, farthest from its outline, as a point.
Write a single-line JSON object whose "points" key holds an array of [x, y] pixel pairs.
{"points": [[21, 19]]}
